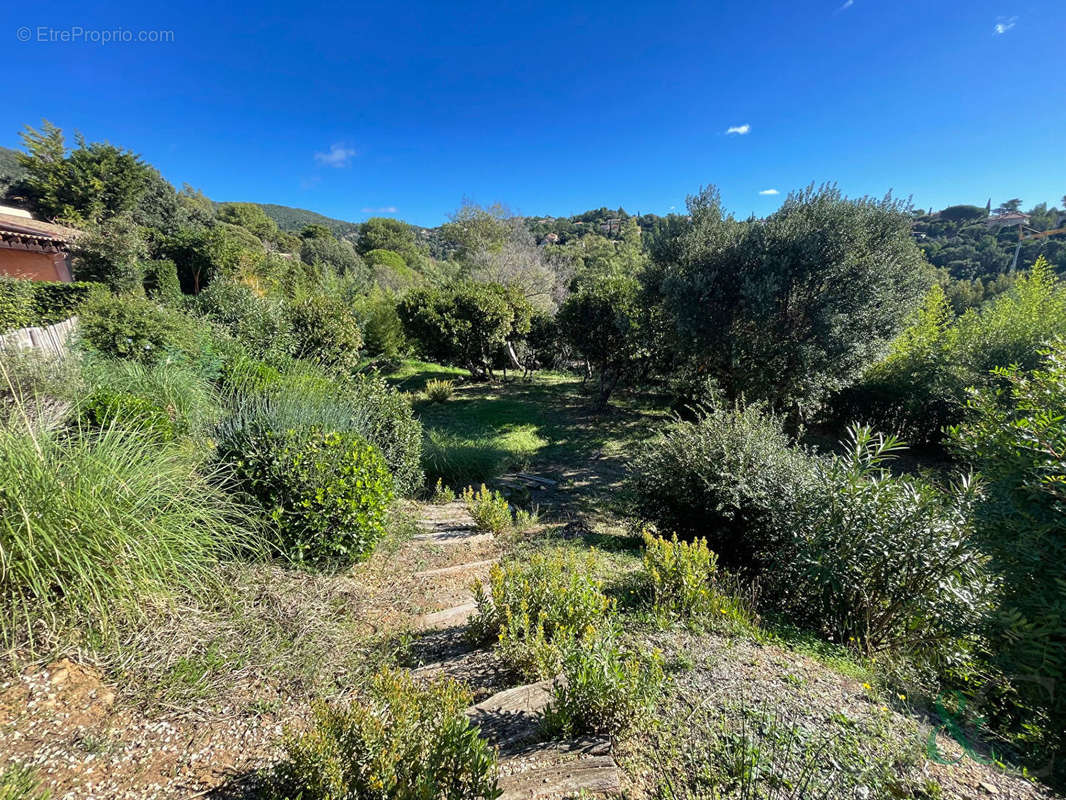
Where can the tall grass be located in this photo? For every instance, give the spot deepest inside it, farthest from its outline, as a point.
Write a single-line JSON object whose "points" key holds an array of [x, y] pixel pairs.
{"points": [[92, 524], [188, 398]]}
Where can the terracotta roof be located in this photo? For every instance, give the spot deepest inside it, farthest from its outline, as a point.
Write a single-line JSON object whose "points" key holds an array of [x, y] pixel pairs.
{"points": [[32, 228]]}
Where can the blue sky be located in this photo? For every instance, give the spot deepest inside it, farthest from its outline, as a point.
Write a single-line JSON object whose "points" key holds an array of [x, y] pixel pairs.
{"points": [[554, 108]]}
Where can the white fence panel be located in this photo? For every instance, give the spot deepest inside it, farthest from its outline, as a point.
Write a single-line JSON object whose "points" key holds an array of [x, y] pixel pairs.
{"points": [[53, 339]]}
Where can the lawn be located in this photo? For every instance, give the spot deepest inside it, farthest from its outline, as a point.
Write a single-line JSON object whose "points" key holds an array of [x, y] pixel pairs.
{"points": [[545, 424]]}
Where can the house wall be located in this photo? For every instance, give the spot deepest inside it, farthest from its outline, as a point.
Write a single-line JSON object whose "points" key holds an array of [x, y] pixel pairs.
{"points": [[33, 266]]}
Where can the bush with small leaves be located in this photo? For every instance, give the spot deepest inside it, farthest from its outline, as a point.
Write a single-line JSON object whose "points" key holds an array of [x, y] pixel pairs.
{"points": [[327, 492], [402, 740], [135, 328], [105, 408], [442, 495], [605, 688], [489, 508], [537, 608], [439, 391], [680, 575]]}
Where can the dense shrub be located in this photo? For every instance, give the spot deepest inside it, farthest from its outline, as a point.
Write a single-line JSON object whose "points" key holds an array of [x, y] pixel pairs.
{"points": [[604, 688], [1016, 437], [719, 476], [919, 389], [884, 562], [680, 575], [260, 324], [112, 253], [90, 526], [537, 609], [133, 328], [161, 281], [326, 332], [402, 740], [381, 326], [327, 492], [24, 303]]}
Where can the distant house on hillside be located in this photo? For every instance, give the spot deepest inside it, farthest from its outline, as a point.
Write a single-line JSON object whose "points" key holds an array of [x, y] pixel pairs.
{"points": [[34, 250]]}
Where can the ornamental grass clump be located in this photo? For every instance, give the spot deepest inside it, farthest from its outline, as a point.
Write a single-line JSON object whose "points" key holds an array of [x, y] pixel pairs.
{"points": [[537, 609], [92, 525], [401, 740], [439, 391]]}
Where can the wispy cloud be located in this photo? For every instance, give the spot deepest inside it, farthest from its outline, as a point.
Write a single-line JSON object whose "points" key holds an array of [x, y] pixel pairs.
{"points": [[337, 156], [740, 130], [769, 191], [1004, 24], [847, 4], [382, 210]]}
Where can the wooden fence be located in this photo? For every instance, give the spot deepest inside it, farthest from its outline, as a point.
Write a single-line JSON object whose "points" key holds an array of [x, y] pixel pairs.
{"points": [[53, 339]]}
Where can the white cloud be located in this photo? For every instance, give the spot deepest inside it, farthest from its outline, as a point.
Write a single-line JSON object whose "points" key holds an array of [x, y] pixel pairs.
{"points": [[847, 4], [338, 156], [1004, 24], [382, 210], [769, 191], [739, 129]]}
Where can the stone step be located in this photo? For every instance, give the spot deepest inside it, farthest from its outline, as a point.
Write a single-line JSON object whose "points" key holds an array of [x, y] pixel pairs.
{"points": [[458, 568], [512, 716], [448, 618]]}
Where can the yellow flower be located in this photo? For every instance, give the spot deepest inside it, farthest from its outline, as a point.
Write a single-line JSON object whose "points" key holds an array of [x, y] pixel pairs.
{"points": [[867, 686], [901, 696]]}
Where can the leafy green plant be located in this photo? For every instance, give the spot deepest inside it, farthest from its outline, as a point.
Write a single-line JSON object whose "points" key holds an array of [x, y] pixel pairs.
{"points": [[439, 391], [91, 525], [537, 608], [161, 281], [720, 476], [883, 562], [402, 740], [134, 328], [681, 576], [24, 303], [489, 508], [442, 495], [327, 492], [604, 688], [1016, 437], [258, 323], [326, 332]]}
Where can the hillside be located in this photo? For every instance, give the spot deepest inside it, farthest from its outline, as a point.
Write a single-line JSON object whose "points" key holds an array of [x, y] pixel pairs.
{"points": [[296, 219]]}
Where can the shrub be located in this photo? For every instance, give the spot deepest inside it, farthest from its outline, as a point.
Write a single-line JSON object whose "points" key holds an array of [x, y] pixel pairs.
{"points": [[24, 303], [442, 495], [883, 562], [604, 688], [403, 740], [439, 391], [720, 476], [131, 327], [112, 253], [326, 332], [91, 525], [161, 281], [489, 508], [536, 609], [1016, 437], [680, 575], [105, 408], [381, 326], [326, 491], [259, 324]]}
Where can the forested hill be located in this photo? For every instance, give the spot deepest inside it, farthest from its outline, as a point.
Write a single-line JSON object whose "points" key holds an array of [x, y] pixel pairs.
{"points": [[295, 220]]}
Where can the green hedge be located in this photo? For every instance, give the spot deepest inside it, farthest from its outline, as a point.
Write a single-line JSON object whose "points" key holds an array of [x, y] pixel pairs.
{"points": [[24, 303]]}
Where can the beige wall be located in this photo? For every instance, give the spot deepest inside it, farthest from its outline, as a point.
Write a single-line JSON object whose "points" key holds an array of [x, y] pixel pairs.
{"points": [[34, 266]]}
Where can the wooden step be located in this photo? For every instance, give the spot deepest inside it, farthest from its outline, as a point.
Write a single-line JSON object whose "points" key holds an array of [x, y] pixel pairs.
{"points": [[448, 618], [592, 774], [456, 569]]}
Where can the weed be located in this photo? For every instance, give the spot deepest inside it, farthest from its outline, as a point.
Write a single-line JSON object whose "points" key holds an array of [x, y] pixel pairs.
{"points": [[439, 391], [489, 508], [442, 495], [21, 783]]}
